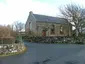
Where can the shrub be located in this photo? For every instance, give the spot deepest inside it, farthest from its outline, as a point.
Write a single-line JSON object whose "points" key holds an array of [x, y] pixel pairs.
{"points": [[7, 40], [79, 43]]}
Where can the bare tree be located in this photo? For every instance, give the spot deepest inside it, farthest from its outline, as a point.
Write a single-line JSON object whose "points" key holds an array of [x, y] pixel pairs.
{"points": [[19, 26], [5, 34], [11, 29], [74, 14], [4, 31]]}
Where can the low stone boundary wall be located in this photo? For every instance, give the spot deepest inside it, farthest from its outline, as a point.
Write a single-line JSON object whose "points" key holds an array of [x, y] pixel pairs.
{"points": [[56, 40], [47, 39], [11, 48]]}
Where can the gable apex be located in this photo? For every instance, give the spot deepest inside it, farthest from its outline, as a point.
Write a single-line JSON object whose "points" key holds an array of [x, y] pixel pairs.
{"points": [[30, 12]]}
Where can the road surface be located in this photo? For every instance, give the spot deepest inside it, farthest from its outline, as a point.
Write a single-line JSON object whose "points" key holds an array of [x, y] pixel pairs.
{"points": [[48, 54]]}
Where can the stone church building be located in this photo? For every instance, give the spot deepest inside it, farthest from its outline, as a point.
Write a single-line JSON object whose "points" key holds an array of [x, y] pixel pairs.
{"points": [[42, 25]]}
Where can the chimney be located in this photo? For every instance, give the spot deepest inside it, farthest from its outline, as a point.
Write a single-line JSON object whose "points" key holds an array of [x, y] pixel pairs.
{"points": [[30, 12]]}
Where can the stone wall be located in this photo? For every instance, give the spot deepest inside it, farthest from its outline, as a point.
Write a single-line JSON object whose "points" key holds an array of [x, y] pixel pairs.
{"points": [[11, 48], [67, 29], [59, 40]]}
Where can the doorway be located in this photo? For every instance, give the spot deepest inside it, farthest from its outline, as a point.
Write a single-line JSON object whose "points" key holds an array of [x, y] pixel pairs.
{"points": [[43, 33]]}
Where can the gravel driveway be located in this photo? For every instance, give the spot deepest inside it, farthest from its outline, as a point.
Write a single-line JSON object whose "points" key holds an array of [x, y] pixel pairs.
{"points": [[48, 54]]}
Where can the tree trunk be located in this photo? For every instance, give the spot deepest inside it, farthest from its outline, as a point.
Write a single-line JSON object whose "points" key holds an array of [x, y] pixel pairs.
{"points": [[77, 31]]}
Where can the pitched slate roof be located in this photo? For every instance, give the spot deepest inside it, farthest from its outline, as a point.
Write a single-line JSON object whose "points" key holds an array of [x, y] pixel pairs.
{"points": [[42, 18]]}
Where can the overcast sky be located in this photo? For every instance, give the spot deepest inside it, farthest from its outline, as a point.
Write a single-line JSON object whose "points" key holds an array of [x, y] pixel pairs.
{"points": [[18, 10]]}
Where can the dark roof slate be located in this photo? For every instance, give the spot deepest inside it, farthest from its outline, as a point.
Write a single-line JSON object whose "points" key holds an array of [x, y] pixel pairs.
{"points": [[45, 18]]}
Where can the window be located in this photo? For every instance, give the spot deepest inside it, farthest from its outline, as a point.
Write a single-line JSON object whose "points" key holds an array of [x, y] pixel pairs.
{"points": [[53, 29], [30, 25], [61, 29]]}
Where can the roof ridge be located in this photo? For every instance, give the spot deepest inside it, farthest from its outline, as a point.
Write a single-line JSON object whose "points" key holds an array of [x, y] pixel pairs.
{"points": [[45, 15]]}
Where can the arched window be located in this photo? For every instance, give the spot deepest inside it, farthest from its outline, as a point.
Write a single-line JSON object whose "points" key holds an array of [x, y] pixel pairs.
{"points": [[61, 29], [52, 29]]}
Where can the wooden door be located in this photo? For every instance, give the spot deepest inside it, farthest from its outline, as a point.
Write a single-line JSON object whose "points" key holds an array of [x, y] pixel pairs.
{"points": [[43, 33]]}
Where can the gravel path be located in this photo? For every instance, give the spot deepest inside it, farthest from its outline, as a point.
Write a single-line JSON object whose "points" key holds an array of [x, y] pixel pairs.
{"points": [[48, 54]]}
